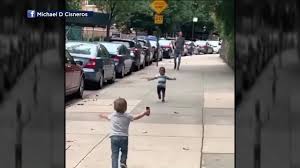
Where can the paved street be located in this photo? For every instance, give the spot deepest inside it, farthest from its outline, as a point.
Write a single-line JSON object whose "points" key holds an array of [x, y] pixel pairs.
{"points": [[194, 128]]}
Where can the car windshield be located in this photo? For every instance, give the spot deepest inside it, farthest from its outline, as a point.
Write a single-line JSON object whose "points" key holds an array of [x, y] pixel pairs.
{"points": [[164, 42], [84, 49], [126, 43], [152, 38], [153, 43], [142, 43], [214, 43], [111, 48], [201, 43]]}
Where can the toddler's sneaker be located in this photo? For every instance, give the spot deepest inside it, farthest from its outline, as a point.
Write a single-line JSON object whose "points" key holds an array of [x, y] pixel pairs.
{"points": [[123, 165]]}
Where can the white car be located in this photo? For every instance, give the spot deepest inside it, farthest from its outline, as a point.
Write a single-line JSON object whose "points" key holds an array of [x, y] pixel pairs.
{"points": [[167, 48], [215, 45], [159, 51]]}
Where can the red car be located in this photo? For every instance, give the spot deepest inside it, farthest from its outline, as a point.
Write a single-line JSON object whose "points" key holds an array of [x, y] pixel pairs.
{"points": [[74, 77]]}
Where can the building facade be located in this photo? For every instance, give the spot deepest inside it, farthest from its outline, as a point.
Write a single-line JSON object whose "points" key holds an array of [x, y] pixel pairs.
{"points": [[90, 32]]}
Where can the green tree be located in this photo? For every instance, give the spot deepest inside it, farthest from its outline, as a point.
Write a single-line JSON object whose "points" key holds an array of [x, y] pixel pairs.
{"points": [[73, 4], [115, 9], [223, 16], [74, 32]]}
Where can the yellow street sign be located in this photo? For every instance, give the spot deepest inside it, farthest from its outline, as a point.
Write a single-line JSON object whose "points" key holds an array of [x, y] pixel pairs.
{"points": [[158, 6], [158, 19]]}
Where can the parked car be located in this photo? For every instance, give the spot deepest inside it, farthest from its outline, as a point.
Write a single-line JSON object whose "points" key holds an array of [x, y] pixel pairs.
{"points": [[74, 76], [146, 45], [190, 47], [121, 56], [203, 47], [157, 50], [167, 48], [152, 38], [215, 45], [136, 51], [140, 37], [185, 49], [97, 64]]}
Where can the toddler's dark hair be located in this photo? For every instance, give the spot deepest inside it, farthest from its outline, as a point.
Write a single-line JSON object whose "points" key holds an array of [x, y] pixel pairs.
{"points": [[162, 69]]}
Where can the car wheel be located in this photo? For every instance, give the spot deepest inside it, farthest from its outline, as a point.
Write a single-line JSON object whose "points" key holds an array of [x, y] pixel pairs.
{"points": [[79, 93], [143, 65], [146, 61], [112, 80], [122, 74], [101, 82], [130, 70]]}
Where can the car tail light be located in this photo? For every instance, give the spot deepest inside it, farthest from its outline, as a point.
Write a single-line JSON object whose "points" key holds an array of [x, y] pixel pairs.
{"points": [[116, 58], [167, 46], [91, 63], [134, 50]]}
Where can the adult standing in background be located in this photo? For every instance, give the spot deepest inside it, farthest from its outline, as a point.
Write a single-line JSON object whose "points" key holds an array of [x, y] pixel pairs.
{"points": [[179, 47]]}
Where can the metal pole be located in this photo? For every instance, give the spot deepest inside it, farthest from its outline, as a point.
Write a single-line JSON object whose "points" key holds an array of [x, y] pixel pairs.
{"points": [[93, 33], [193, 31], [157, 48]]}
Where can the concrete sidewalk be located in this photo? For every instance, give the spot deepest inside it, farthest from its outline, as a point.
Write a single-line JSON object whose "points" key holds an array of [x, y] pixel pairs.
{"points": [[280, 133], [38, 141], [193, 129]]}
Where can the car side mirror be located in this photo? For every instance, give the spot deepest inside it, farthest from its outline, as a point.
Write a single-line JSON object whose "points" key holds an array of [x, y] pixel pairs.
{"points": [[79, 63]]}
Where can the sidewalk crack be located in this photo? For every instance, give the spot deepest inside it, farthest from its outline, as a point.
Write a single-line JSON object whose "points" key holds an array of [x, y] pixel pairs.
{"points": [[202, 120], [91, 150], [202, 139]]}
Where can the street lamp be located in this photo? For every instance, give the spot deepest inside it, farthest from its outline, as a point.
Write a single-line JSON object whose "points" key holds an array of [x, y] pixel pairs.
{"points": [[195, 19]]}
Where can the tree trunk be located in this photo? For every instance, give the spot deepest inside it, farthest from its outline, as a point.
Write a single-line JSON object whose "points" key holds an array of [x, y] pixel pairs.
{"points": [[108, 30]]}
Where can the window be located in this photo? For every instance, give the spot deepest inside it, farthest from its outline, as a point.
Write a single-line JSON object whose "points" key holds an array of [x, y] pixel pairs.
{"points": [[138, 45], [123, 50], [111, 48], [99, 52], [104, 52], [142, 43], [83, 49], [126, 43], [68, 58]]}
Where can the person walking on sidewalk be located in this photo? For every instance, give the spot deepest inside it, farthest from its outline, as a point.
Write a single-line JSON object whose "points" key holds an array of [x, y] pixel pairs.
{"points": [[257, 140], [162, 80], [274, 83], [120, 121], [259, 125], [19, 134], [179, 47]]}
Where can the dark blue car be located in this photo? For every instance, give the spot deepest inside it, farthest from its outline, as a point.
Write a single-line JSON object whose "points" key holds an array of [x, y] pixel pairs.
{"points": [[98, 66], [121, 56]]}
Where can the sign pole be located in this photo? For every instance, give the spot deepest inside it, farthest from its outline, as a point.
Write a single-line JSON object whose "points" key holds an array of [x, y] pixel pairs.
{"points": [[195, 19], [158, 6], [193, 31]]}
